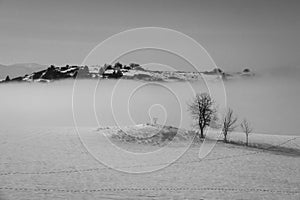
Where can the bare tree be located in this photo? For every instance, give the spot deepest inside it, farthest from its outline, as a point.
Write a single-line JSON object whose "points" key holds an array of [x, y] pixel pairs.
{"points": [[245, 125], [228, 123], [202, 110], [154, 120]]}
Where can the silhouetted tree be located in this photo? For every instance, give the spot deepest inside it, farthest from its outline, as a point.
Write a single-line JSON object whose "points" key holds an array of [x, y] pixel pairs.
{"points": [[118, 66], [246, 70], [202, 110], [7, 78], [247, 129], [228, 124], [107, 67]]}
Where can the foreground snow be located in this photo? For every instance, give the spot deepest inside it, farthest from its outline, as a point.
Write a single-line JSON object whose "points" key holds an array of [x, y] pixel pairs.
{"points": [[52, 163]]}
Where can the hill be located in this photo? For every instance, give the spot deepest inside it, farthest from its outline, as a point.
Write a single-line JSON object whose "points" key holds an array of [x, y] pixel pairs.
{"points": [[19, 69]]}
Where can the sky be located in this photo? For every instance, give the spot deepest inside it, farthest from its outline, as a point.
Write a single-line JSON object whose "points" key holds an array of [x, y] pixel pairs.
{"points": [[258, 34]]}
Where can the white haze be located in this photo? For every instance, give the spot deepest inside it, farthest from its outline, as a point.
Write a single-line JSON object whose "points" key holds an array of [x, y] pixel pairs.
{"points": [[270, 104]]}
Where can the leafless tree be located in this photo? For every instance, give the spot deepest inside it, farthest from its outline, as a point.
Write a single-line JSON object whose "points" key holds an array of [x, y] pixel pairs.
{"points": [[228, 123], [154, 120], [245, 125], [202, 110]]}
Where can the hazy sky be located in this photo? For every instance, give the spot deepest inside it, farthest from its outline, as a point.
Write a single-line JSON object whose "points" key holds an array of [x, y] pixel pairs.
{"points": [[237, 33]]}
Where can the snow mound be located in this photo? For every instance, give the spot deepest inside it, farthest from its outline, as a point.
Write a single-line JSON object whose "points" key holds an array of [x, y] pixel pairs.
{"points": [[148, 134]]}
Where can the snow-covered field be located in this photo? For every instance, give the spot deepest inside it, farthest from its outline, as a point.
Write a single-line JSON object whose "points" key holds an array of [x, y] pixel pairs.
{"points": [[52, 163]]}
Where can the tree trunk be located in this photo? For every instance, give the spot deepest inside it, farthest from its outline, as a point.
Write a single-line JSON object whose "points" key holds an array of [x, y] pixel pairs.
{"points": [[246, 140], [201, 133], [225, 137]]}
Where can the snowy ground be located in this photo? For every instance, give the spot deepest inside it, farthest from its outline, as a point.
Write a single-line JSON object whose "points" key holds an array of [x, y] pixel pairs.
{"points": [[52, 163]]}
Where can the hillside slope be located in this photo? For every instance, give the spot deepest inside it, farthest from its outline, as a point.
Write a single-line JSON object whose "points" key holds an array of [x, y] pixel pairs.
{"points": [[19, 69]]}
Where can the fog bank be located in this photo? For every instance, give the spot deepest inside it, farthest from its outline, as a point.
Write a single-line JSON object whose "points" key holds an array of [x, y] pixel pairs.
{"points": [[269, 103]]}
